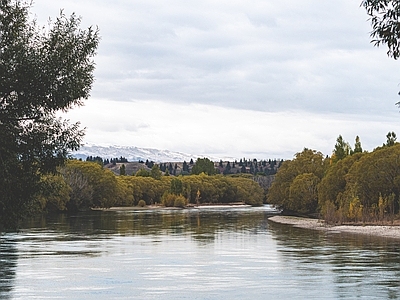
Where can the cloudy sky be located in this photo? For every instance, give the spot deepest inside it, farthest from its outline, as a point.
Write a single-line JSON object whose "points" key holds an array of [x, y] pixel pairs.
{"points": [[256, 79]]}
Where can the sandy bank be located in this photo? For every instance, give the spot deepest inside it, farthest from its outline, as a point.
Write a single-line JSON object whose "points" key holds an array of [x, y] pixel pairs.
{"points": [[382, 231]]}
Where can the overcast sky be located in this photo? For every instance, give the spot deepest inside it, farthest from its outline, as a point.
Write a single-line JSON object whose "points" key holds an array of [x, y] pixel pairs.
{"points": [[256, 79]]}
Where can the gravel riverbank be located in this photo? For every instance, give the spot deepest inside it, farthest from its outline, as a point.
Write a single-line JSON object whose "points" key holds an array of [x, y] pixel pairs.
{"points": [[375, 230]]}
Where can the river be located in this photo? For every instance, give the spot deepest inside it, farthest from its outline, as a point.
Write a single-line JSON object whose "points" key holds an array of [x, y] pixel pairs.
{"points": [[192, 254]]}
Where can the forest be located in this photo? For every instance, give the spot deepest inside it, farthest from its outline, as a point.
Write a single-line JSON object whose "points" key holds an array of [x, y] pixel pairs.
{"points": [[81, 185], [243, 166], [351, 185]]}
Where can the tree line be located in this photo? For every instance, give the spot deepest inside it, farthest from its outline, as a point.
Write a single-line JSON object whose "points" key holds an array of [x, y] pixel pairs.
{"points": [[351, 185], [82, 185], [243, 166]]}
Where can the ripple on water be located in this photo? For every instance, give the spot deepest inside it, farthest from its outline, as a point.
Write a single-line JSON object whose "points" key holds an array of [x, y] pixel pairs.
{"points": [[192, 255]]}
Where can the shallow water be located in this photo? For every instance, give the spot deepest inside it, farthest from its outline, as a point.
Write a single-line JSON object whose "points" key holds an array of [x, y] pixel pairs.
{"points": [[192, 254]]}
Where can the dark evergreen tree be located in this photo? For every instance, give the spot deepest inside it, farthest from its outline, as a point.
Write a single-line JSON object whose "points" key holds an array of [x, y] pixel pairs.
{"points": [[390, 139], [185, 167], [122, 170], [203, 165]]}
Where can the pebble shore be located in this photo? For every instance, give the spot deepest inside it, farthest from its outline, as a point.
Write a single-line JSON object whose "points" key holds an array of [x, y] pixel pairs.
{"points": [[373, 230]]}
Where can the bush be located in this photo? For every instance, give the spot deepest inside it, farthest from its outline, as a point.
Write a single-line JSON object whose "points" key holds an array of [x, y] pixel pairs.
{"points": [[180, 201], [169, 200], [142, 203]]}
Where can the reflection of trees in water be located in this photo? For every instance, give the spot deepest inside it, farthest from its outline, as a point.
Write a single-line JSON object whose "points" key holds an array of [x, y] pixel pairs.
{"points": [[201, 225], [360, 264], [8, 264]]}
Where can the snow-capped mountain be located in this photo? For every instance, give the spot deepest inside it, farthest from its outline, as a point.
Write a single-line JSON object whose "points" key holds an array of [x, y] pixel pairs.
{"points": [[133, 153]]}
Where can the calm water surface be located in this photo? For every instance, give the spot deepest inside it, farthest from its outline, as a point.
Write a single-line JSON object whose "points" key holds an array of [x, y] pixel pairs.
{"points": [[192, 254]]}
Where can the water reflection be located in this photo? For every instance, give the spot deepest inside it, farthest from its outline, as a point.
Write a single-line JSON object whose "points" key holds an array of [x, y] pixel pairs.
{"points": [[200, 225], [355, 266], [191, 254], [8, 264]]}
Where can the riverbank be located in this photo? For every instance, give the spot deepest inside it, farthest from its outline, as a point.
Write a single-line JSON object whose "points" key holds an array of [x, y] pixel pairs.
{"points": [[153, 207], [315, 224]]}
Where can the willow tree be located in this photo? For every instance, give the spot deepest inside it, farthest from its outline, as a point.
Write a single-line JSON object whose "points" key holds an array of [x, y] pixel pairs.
{"points": [[42, 71]]}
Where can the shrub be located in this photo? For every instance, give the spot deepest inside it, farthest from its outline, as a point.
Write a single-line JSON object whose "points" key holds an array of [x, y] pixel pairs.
{"points": [[170, 200], [142, 203], [180, 201]]}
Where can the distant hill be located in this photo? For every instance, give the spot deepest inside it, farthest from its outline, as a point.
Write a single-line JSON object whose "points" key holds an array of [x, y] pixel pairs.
{"points": [[134, 154]]}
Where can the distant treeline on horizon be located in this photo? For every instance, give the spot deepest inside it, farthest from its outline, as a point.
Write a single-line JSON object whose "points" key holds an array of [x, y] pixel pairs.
{"points": [[245, 166]]}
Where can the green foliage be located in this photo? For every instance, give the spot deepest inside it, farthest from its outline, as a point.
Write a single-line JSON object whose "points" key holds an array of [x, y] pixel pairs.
{"points": [[142, 203], [102, 182], [83, 185], [357, 146], [299, 174], [390, 139], [341, 150], [81, 194], [221, 189], [42, 72], [173, 200], [333, 184], [168, 199], [54, 194], [203, 165], [143, 173], [303, 193], [384, 16], [122, 170], [180, 201], [124, 196], [156, 172], [176, 186]]}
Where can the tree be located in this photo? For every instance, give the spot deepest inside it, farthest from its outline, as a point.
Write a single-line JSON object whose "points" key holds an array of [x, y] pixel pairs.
{"points": [[357, 146], [384, 17], [303, 196], [333, 184], [81, 195], [203, 165], [227, 168], [122, 170], [42, 72], [176, 186], [295, 177], [142, 173], [342, 149], [390, 139], [155, 172], [54, 194], [185, 167]]}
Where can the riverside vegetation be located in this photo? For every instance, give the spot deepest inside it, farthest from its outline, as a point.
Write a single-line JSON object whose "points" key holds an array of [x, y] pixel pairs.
{"points": [[350, 186], [81, 185], [45, 71]]}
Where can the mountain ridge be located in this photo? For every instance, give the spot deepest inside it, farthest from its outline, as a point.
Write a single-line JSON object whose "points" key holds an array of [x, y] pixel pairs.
{"points": [[132, 153]]}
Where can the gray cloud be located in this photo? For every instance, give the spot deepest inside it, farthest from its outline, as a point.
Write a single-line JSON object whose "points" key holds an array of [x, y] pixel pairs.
{"points": [[272, 56]]}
